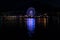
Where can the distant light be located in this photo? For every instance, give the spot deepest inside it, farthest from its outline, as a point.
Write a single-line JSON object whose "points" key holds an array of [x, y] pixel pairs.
{"points": [[30, 21], [31, 11], [10, 17]]}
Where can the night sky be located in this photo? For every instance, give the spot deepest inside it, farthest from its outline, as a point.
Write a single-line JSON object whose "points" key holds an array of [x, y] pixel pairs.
{"points": [[21, 6], [17, 4]]}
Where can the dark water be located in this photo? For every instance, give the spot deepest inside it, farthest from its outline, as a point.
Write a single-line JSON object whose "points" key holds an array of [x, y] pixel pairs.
{"points": [[19, 30]]}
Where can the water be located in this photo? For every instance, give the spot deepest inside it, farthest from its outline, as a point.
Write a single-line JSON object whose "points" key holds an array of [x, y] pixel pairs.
{"points": [[30, 26]]}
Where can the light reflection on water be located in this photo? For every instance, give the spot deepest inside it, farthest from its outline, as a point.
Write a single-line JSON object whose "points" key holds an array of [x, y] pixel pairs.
{"points": [[30, 25]]}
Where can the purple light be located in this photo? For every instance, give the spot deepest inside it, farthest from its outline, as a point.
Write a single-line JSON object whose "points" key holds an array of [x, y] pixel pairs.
{"points": [[31, 11], [30, 21], [31, 24]]}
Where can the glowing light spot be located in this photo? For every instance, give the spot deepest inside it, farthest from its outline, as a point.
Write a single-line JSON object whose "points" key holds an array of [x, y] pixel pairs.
{"points": [[31, 11]]}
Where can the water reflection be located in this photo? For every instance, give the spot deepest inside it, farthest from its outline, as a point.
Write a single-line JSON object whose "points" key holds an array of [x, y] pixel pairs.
{"points": [[30, 26]]}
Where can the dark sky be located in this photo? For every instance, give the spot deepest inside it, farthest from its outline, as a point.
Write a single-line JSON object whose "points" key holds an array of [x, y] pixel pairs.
{"points": [[55, 3], [4, 5]]}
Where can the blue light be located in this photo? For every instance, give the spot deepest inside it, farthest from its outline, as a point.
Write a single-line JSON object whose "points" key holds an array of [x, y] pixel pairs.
{"points": [[30, 21], [31, 24], [31, 11]]}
